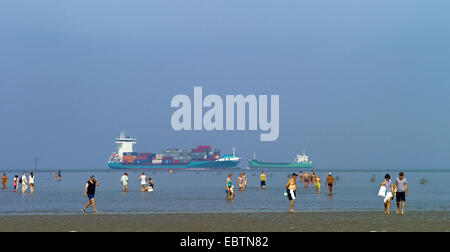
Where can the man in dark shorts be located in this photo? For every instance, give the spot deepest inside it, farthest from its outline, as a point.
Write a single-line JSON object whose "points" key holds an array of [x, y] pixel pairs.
{"points": [[330, 182], [89, 192], [263, 180], [402, 192]]}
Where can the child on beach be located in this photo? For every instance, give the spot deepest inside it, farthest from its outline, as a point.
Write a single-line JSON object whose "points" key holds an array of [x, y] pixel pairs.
{"points": [[15, 183], [318, 183]]}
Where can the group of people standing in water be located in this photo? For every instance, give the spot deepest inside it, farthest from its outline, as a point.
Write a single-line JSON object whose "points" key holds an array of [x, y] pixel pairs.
{"points": [[291, 185], [242, 183], [315, 180], [24, 181], [397, 189]]}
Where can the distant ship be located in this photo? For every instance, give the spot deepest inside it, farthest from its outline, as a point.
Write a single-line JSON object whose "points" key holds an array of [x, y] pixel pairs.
{"points": [[200, 157], [301, 161]]}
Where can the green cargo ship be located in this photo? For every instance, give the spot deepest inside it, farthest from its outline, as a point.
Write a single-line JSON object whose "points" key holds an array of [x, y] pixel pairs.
{"points": [[301, 161]]}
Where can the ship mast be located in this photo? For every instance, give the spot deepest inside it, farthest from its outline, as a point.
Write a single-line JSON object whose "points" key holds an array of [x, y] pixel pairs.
{"points": [[35, 164]]}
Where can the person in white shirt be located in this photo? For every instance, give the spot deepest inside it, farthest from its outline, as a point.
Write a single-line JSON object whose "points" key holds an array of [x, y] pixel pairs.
{"points": [[31, 182], [143, 179], [124, 182], [24, 182]]}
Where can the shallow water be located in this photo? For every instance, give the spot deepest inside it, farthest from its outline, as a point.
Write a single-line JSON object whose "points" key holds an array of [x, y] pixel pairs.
{"points": [[204, 191]]}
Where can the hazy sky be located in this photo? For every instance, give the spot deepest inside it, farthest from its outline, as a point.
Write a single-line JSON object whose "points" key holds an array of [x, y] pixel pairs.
{"points": [[362, 84]]}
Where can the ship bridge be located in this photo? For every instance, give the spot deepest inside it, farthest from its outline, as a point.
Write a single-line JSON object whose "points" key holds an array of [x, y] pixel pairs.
{"points": [[125, 144]]}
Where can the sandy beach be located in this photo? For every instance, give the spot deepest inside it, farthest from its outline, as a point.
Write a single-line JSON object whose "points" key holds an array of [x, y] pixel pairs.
{"points": [[413, 221]]}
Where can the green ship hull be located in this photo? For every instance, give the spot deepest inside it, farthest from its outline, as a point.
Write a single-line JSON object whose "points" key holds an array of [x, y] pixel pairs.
{"points": [[259, 164]]}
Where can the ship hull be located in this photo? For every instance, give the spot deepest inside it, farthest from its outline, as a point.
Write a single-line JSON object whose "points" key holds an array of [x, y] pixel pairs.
{"points": [[190, 165], [259, 164]]}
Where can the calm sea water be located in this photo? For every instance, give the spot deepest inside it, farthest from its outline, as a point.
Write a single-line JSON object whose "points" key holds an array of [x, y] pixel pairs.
{"points": [[204, 191]]}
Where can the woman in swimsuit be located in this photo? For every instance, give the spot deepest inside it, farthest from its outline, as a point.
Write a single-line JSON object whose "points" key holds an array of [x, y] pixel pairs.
{"points": [[229, 186]]}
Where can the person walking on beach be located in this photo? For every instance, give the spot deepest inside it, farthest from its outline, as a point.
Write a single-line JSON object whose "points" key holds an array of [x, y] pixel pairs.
{"points": [[291, 188], [143, 179], [89, 192], [389, 193], [16, 183], [4, 181], [263, 180], [402, 192], [330, 181], [229, 187], [124, 182], [31, 182], [24, 182]]}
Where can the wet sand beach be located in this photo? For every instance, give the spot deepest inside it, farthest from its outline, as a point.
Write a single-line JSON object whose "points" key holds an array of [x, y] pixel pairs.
{"points": [[367, 221]]}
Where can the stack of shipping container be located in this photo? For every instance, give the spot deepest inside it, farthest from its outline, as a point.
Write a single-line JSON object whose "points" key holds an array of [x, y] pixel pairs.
{"points": [[171, 156]]}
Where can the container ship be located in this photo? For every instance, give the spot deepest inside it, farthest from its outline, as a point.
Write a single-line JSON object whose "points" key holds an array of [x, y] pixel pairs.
{"points": [[201, 157], [301, 161]]}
